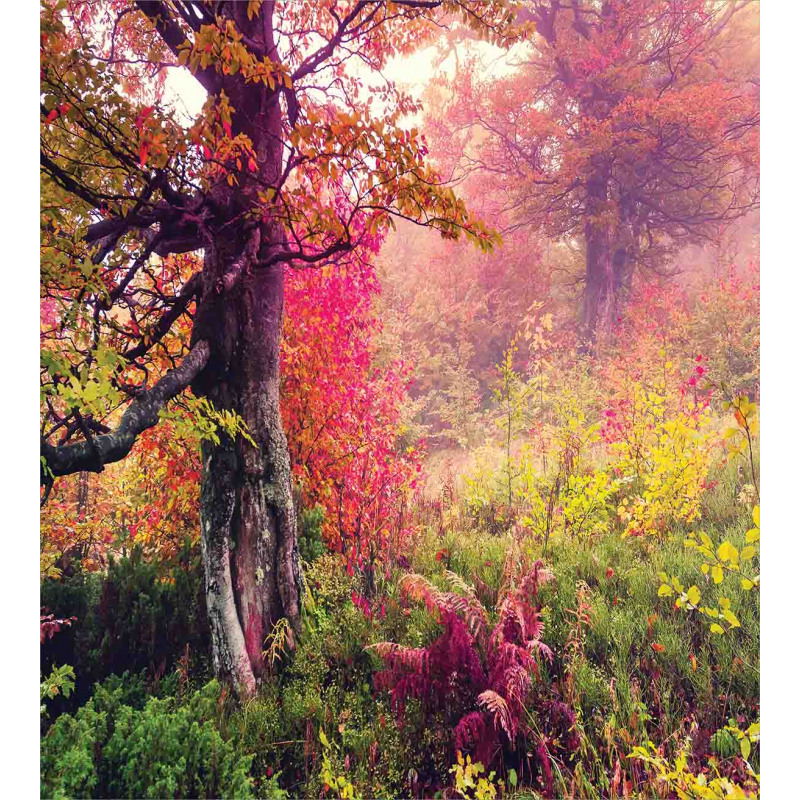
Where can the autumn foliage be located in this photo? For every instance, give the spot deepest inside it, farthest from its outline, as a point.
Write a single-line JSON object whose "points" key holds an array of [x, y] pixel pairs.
{"points": [[400, 439]]}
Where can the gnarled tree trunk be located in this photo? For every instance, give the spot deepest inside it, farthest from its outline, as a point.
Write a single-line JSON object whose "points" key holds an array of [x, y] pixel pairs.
{"points": [[249, 539]]}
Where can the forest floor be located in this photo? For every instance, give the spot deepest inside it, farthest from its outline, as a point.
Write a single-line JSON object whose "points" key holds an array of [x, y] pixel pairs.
{"points": [[628, 694]]}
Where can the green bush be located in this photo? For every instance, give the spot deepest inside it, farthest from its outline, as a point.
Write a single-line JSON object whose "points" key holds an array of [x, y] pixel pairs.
{"points": [[309, 534], [147, 617], [165, 749], [141, 616]]}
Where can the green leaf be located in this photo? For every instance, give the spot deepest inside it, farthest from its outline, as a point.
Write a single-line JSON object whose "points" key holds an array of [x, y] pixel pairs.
{"points": [[512, 778], [323, 738], [744, 744]]}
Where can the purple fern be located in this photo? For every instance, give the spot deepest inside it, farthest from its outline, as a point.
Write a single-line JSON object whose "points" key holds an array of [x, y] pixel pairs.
{"points": [[479, 679]]}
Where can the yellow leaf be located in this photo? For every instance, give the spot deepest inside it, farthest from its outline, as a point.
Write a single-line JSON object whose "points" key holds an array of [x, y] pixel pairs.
{"points": [[716, 573], [717, 629], [753, 535], [731, 618]]}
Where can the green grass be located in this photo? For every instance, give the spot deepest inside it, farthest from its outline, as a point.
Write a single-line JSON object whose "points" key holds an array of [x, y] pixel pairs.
{"points": [[623, 690]]}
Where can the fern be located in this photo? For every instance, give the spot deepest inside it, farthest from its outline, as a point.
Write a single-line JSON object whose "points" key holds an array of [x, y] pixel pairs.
{"points": [[500, 712], [478, 679]]}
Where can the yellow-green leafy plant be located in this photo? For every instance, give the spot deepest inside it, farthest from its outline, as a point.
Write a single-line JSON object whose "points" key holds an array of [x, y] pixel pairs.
{"points": [[741, 439], [663, 455], [469, 781], [279, 640], [550, 497], [726, 559], [61, 680], [332, 781], [511, 394], [745, 739], [677, 778], [585, 504]]}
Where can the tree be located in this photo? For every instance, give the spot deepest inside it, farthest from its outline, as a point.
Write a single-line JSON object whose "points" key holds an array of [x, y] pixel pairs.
{"points": [[627, 126], [289, 163]]}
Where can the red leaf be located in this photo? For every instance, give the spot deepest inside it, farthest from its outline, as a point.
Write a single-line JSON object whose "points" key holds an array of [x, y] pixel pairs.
{"points": [[143, 115]]}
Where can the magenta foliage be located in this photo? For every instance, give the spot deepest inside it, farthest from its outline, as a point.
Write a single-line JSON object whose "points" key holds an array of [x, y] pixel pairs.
{"points": [[543, 759], [479, 679], [49, 626]]}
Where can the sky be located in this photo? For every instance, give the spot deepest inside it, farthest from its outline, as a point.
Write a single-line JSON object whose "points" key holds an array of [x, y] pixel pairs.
{"points": [[411, 73]]}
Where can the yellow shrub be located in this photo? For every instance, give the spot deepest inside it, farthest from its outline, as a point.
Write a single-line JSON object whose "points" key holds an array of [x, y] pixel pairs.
{"points": [[663, 457]]}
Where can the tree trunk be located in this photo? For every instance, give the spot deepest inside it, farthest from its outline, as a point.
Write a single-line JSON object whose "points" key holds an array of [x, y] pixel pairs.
{"points": [[599, 304], [250, 554], [249, 541]]}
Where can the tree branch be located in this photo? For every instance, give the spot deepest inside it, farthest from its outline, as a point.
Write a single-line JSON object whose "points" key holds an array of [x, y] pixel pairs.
{"points": [[169, 30], [141, 414], [190, 289]]}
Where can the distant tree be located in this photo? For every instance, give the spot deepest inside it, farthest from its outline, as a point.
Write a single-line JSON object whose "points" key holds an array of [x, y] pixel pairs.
{"points": [[630, 126]]}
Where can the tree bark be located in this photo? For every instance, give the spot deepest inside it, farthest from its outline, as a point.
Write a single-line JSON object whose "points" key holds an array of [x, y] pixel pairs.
{"points": [[249, 541], [599, 304], [249, 538]]}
